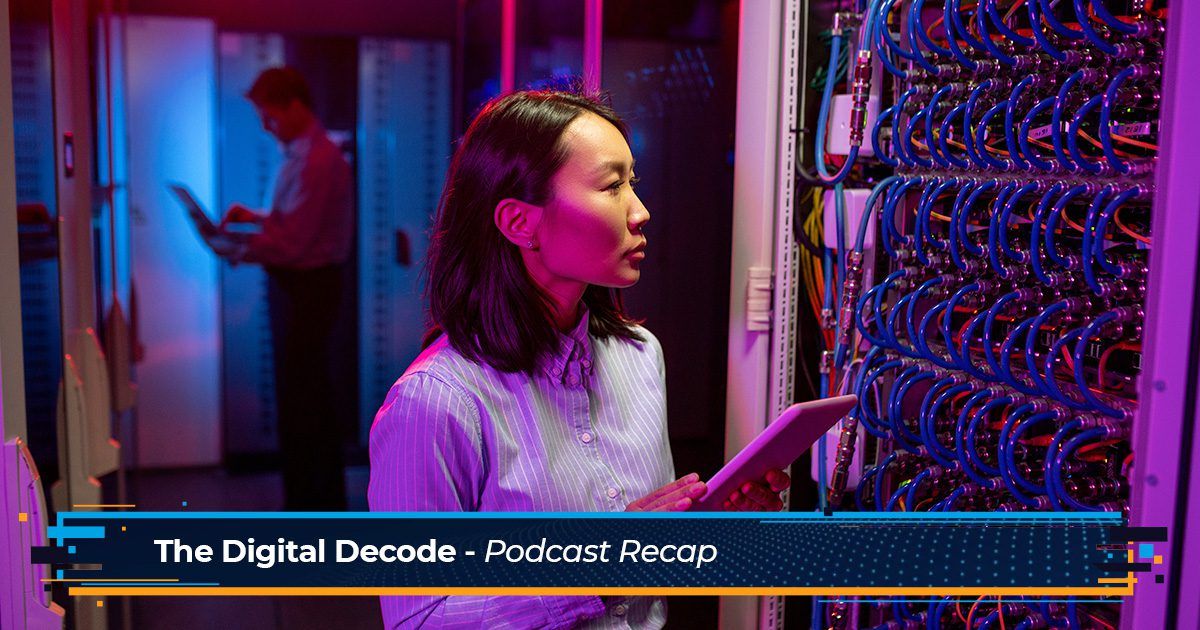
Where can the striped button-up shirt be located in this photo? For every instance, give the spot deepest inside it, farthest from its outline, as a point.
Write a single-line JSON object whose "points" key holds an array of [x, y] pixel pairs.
{"points": [[587, 433]]}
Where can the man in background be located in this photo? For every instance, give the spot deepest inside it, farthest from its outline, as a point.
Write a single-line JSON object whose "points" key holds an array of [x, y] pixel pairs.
{"points": [[303, 245]]}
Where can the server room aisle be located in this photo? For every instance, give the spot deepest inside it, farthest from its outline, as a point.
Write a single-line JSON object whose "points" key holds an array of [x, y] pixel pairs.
{"points": [[208, 489]]}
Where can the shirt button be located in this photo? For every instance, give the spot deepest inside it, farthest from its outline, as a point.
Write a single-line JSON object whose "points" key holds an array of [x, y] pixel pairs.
{"points": [[613, 492], [619, 610], [574, 380], [586, 438], [557, 371], [586, 363]]}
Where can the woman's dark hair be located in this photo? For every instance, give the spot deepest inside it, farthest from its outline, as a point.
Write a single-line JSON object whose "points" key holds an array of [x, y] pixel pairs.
{"points": [[479, 292]]}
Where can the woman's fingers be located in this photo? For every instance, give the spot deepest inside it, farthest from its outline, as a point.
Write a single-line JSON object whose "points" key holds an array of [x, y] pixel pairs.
{"points": [[762, 496], [681, 494], [675, 496], [655, 496], [680, 498], [778, 480]]}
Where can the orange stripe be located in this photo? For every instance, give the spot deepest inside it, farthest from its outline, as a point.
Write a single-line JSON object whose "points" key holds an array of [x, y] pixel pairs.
{"points": [[110, 579], [844, 591]]}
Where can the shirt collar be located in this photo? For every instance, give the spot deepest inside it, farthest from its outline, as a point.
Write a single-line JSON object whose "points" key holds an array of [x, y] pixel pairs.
{"points": [[300, 145], [574, 353]]}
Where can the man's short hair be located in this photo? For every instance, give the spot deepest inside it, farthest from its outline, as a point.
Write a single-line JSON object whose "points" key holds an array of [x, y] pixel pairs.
{"points": [[280, 86]]}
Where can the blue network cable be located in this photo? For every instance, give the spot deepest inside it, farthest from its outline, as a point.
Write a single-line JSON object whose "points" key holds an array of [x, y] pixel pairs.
{"points": [[1014, 437], [1033, 8], [953, 25], [1055, 24], [1023, 139], [898, 130], [1060, 106], [1035, 234], [906, 138], [1006, 352], [884, 36], [1035, 328], [882, 187], [964, 217], [1089, 31], [890, 233], [876, 131], [981, 140], [918, 336], [925, 321], [1004, 453], [961, 28], [1080, 354], [988, 325], [1073, 135], [964, 349], [947, 335], [944, 133], [981, 25], [1052, 469], [960, 428], [900, 387], [930, 112], [1106, 107], [1010, 125], [925, 419], [1049, 362], [1052, 223], [993, 250], [972, 431], [1006, 218], [893, 316], [881, 470], [880, 323], [952, 230], [917, 30], [993, 12], [1089, 224], [1102, 226], [1108, 18], [973, 150], [921, 224]]}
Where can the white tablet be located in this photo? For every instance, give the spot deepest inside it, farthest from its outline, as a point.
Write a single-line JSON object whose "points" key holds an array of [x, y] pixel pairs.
{"points": [[784, 440]]}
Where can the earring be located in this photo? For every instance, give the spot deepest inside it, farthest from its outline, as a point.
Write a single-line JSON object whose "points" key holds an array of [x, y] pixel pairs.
{"points": [[531, 246]]}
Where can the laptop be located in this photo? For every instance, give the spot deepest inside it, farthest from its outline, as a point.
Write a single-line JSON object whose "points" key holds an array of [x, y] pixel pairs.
{"points": [[194, 209]]}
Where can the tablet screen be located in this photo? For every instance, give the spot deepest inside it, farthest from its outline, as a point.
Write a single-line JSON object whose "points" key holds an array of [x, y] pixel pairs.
{"points": [[785, 439]]}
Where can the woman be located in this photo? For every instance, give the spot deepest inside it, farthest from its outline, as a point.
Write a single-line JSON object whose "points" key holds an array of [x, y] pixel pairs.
{"points": [[540, 394]]}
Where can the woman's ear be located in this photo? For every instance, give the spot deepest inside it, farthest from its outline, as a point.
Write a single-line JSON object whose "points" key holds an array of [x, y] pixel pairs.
{"points": [[518, 221]]}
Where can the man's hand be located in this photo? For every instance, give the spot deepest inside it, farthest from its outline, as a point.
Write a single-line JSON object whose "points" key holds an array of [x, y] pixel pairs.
{"points": [[237, 213], [761, 495], [226, 246], [677, 496]]}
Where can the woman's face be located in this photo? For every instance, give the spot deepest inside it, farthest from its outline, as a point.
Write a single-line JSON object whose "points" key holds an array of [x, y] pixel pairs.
{"points": [[591, 228]]}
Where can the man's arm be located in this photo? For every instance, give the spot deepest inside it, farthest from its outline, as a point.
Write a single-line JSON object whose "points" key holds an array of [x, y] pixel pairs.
{"points": [[289, 235]]}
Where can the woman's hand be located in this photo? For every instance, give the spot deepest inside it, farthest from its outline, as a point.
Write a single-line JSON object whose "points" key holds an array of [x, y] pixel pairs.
{"points": [[676, 496], [761, 495]]}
